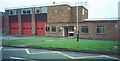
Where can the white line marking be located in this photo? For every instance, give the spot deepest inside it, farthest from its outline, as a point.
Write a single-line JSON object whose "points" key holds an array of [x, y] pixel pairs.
{"points": [[44, 52], [66, 55], [111, 57], [1, 48], [27, 51], [16, 58], [13, 49], [89, 57]]}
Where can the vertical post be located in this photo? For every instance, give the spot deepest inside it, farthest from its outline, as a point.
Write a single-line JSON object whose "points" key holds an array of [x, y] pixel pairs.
{"points": [[7, 22], [77, 23], [19, 22], [33, 21]]}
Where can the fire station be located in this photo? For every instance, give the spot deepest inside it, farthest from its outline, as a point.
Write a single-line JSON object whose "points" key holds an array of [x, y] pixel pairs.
{"points": [[59, 20]]}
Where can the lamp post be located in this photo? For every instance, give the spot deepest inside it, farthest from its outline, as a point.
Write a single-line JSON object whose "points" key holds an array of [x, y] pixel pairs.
{"points": [[77, 23]]}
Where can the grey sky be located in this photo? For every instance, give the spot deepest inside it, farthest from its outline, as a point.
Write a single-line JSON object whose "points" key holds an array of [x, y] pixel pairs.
{"points": [[97, 8]]}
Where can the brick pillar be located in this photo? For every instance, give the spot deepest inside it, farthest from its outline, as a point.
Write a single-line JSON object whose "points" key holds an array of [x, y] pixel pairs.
{"points": [[19, 22], [33, 21], [7, 22]]}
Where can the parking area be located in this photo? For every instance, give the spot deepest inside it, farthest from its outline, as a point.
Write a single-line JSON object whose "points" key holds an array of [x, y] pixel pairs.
{"points": [[31, 54]]}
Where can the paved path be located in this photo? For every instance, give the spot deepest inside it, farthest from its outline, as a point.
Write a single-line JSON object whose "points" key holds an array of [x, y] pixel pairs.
{"points": [[31, 54]]}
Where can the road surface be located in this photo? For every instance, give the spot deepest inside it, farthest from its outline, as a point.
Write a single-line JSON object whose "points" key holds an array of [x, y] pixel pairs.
{"points": [[32, 54]]}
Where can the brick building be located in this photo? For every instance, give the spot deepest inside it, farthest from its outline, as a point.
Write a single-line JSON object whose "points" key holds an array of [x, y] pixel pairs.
{"points": [[58, 20], [2, 23]]}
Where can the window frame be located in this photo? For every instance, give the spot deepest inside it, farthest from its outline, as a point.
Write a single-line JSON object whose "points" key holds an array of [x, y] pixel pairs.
{"points": [[38, 8], [84, 31], [14, 12], [26, 11], [51, 29], [83, 11], [47, 30], [70, 28], [103, 27]]}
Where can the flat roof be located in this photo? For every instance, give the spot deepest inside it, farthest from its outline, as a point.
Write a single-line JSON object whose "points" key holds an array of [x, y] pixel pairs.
{"points": [[84, 4], [102, 19]]}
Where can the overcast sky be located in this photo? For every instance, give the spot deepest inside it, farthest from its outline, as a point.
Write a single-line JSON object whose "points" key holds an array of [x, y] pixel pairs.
{"points": [[97, 8]]}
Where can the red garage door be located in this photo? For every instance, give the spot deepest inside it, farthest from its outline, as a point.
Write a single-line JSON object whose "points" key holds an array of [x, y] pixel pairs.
{"points": [[40, 28], [26, 28], [13, 28]]}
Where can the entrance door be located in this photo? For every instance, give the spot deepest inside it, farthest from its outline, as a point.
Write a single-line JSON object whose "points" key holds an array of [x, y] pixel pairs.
{"points": [[66, 31]]}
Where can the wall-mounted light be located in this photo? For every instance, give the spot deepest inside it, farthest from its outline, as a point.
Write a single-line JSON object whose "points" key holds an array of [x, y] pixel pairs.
{"points": [[74, 28], [56, 11], [60, 27], [67, 24]]}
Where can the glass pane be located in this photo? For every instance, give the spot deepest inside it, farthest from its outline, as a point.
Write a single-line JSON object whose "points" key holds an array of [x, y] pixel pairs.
{"points": [[44, 9]]}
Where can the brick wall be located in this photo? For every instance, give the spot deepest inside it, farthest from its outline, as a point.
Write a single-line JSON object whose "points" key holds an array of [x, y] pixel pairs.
{"points": [[65, 13], [111, 29], [59, 13], [81, 17]]}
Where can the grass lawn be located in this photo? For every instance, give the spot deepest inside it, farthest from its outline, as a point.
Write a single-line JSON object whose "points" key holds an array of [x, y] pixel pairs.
{"points": [[27, 40], [83, 44], [68, 43]]}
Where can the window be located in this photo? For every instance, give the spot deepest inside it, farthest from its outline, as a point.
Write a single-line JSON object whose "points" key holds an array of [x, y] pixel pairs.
{"points": [[38, 10], [13, 12], [44, 9], [84, 29], [47, 29], [26, 11], [71, 34], [100, 30], [53, 29], [71, 28], [82, 11]]}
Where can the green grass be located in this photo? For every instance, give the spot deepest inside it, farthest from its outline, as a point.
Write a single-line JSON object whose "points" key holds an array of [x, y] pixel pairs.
{"points": [[83, 44], [68, 43], [27, 40]]}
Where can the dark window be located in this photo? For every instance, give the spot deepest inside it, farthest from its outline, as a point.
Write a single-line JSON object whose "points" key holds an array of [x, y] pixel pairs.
{"points": [[37, 11], [71, 28], [41, 28], [71, 34], [53, 29], [47, 29], [100, 30], [26, 18], [24, 12], [11, 13], [13, 18], [84, 29], [28, 11], [41, 17], [30, 28]]}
